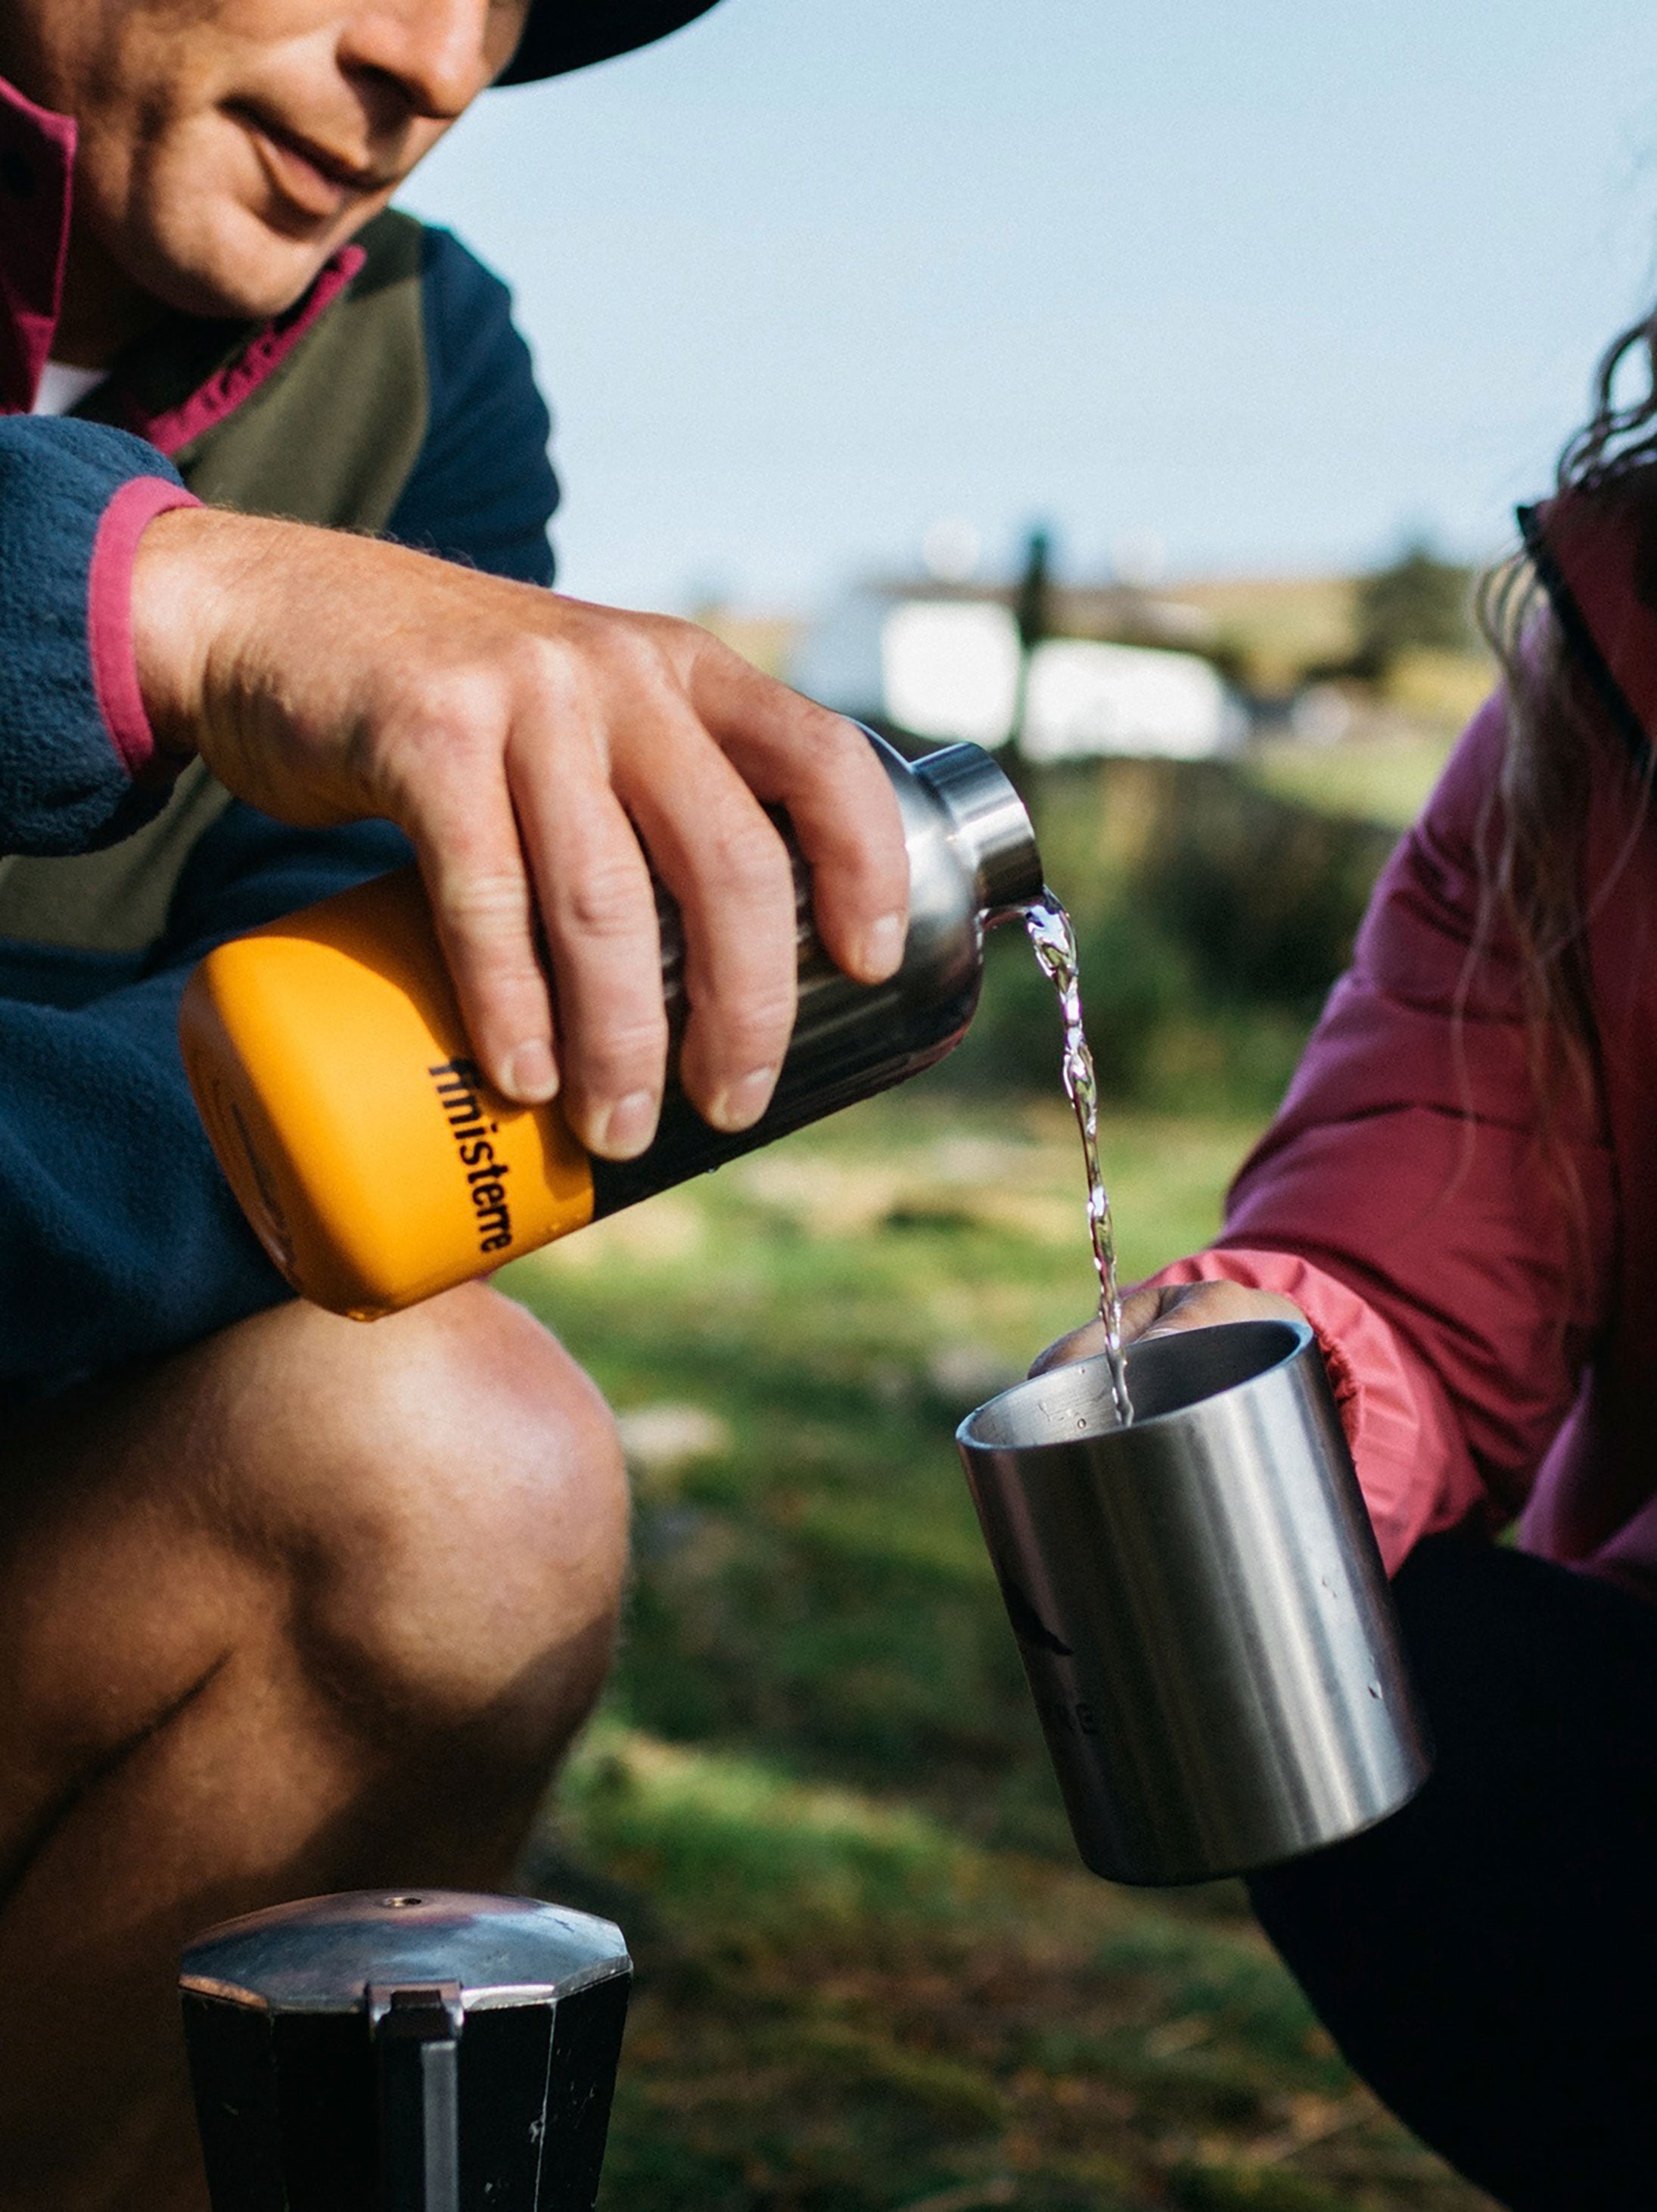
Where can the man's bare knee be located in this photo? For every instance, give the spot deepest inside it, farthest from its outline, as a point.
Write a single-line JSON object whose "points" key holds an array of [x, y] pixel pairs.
{"points": [[445, 1490], [311, 1607]]}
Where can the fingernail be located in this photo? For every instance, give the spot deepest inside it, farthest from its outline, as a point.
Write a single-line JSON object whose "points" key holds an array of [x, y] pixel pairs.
{"points": [[740, 1105], [883, 945], [624, 1130], [531, 1077]]}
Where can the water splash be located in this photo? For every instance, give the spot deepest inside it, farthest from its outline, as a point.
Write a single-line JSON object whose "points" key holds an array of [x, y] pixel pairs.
{"points": [[1054, 938]]}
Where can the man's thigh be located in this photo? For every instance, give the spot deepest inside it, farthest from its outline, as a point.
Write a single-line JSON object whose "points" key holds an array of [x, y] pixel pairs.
{"points": [[298, 1486], [311, 1604]]}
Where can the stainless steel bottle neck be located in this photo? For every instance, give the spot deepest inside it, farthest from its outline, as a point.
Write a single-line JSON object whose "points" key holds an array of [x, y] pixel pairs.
{"points": [[988, 826], [972, 862]]}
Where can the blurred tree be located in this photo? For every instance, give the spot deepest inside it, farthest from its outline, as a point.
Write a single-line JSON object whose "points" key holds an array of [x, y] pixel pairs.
{"points": [[1032, 610], [1419, 600]]}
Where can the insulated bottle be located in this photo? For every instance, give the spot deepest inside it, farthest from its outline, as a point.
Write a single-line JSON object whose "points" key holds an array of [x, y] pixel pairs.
{"points": [[332, 1070]]}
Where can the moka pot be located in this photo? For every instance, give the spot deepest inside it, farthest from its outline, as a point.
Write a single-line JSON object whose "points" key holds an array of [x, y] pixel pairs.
{"points": [[427, 2051]]}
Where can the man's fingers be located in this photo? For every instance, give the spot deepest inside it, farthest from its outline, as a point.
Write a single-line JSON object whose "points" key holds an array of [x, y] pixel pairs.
{"points": [[839, 799], [518, 738], [481, 902], [727, 867], [598, 911]]}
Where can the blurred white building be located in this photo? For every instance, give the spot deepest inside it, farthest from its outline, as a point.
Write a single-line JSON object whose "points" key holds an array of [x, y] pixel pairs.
{"points": [[1087, 698], [946, 668]]}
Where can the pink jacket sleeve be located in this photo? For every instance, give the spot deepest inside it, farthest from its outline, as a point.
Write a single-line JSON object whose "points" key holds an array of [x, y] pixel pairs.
{"points": [[1399, 1201]]}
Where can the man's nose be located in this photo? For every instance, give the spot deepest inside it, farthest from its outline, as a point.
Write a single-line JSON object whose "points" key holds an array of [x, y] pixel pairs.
{"points": [[439, 54]]}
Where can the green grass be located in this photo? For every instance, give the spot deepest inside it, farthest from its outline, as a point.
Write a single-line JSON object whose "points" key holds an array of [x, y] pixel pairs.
{"points": [[871, 1972], [1384, 780]]}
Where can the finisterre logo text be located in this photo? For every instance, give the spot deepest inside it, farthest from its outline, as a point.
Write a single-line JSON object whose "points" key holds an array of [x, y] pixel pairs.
{"points": [[460, 1091]]}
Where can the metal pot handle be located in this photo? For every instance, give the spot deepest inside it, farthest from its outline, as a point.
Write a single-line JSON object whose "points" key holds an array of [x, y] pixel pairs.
{"points": [[416, 2034]]}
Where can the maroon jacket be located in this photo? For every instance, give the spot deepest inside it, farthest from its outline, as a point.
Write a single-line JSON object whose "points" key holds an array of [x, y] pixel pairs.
{"points": [[1493, 1342]]}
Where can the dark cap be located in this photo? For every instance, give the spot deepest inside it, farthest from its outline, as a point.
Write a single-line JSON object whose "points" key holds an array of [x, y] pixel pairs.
{"points": [[568, 34]]}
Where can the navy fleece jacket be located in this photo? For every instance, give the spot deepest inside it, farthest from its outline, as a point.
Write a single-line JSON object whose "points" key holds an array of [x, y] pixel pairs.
{"points": [[119, 1237]]}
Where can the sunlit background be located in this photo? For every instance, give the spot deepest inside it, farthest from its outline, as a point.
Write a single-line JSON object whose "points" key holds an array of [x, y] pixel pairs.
{"points": [[1138, 389], [1206, 287]]}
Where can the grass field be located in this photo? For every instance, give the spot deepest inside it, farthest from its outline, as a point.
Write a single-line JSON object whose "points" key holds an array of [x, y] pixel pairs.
{"points": [[872, 1978], [1384, 781]]}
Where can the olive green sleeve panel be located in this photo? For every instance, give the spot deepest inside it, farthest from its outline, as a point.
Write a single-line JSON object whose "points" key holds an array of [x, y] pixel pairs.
{"points": [[115, 901], [331, 438]]}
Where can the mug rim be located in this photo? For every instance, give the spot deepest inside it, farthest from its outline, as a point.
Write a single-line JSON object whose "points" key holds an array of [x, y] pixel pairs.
{"points": [[1296, 1335]]}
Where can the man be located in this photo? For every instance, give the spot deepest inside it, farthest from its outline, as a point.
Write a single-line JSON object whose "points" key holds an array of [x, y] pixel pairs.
{"points": [[288, 1604]]}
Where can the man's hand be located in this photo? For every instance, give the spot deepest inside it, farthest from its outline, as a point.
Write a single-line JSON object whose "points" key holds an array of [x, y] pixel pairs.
{"points": [[1160, 1310], [534, 749]]}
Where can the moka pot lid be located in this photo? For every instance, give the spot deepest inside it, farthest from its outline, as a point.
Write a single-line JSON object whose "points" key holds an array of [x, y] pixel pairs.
{"points": [[324, 1954]]}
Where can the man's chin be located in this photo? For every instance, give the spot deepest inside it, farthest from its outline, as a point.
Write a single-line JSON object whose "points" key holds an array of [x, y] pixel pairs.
{"points": [[245, 272]]}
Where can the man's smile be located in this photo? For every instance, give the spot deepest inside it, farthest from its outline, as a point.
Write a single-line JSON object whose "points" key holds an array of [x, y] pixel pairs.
{"points": [[316, 180]]}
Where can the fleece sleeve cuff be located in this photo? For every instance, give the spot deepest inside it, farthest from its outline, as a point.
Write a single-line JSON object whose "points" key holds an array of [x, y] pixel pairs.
{"points": [[75, 498], [109, 612]]}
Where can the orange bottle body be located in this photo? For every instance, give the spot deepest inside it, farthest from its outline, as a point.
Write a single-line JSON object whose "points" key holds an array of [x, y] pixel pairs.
{"points": [[330, 1068]]}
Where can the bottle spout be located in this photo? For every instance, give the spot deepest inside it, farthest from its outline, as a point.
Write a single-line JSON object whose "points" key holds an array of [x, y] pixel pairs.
{"points": [[989, 824]]}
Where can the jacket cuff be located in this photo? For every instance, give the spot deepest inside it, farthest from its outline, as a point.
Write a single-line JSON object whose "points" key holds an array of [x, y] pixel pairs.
{"points": [[74, 496], [1413, 1467], [133, 507]]}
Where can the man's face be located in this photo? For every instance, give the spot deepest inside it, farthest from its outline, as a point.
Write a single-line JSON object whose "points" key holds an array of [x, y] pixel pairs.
{"points": [[228, 147]]}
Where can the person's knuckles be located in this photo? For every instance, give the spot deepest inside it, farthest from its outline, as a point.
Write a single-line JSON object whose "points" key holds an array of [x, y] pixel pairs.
{"points": [[743, 864], [738, 908], [557, 677], [503, 992], [616, 1042], [479, 692], [424, 747], [452, 686], [603, 898], [734, 1034], [832, 763], [693, 652], [705, 827], [840, 754], [624, 662], [486, 913], [742, 969]]}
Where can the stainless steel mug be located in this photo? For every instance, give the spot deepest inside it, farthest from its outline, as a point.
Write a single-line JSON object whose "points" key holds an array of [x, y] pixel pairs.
{"points": [[1199, 1603], [419, 2051]]}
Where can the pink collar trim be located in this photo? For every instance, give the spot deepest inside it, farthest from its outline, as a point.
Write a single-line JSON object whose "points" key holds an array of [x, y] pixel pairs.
{"points": [[225, 391], [37, 160]]}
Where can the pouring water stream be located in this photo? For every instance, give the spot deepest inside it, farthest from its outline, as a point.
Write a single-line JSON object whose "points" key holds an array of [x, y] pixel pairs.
{"points": [[1053, 937]]}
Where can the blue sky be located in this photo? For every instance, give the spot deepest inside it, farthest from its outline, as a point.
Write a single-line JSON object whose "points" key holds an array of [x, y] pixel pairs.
{"points": [[1271, 284]]}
